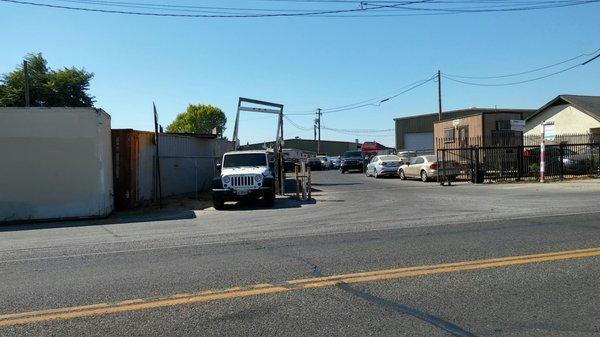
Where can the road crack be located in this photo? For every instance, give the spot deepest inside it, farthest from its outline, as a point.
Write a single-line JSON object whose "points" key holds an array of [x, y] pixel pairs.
{"points": [[438, 322]]}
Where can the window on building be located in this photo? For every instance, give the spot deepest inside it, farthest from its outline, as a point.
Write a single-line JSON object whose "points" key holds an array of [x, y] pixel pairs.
{"points": [[449, 135], [503, 125], [506, 138]]}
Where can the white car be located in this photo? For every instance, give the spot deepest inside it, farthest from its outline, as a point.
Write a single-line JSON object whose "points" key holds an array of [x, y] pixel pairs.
{"points": [[325, 162], [426, 167], [383, 165], [244, 174]]}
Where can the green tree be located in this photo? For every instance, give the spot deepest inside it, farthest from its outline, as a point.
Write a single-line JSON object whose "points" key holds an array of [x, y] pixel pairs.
{"points": [[199, 118], [63, 87]]}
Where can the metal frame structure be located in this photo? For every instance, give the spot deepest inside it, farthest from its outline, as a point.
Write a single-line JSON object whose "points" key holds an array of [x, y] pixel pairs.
{"points": [[265, 107]]}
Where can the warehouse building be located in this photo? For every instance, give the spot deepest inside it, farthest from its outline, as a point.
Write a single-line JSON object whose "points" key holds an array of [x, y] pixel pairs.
{"points": [[416, 132], [328, 147]]}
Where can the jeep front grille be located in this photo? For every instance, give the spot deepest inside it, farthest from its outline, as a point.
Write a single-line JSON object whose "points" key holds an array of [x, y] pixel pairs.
{"points": [[242, 181]]}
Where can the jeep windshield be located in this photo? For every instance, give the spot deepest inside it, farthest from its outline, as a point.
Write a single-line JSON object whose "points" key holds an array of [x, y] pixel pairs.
{"points": [[352, 154], [245, 159]]}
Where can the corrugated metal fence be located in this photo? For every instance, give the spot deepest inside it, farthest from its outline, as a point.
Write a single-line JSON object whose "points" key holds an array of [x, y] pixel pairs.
{"points": [[187, 165]]}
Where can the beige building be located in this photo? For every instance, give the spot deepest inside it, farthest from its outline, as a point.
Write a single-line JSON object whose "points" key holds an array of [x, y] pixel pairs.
{"points": [[571, 114], [482, 128], [416, 132]]}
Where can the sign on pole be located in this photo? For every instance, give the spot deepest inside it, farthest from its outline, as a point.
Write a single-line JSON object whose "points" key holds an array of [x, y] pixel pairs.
{"points": [[517, 125], [548, 132], [456, 122]]}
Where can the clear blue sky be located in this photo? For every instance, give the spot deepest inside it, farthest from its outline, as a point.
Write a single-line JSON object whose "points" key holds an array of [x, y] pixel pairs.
{"points": [[304, 63]]}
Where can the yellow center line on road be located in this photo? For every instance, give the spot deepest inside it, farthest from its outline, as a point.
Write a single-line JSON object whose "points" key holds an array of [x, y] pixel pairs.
{"points": [[291, 285]]}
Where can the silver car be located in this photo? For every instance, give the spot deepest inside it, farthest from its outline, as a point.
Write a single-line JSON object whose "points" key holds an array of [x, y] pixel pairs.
{"points": [[425, 168], [383, 165], [335, 162]]}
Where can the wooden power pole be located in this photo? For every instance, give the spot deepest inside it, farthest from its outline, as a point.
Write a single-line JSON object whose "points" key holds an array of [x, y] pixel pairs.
{"points": [[319, 130], [26, 84], [439, 81]]}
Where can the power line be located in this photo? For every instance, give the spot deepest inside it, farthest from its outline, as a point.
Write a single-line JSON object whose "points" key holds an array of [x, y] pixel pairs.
{"points": [[366, 9], [358, 131], [296, 125], [528, 71], [251, 15], [411, 87], [523, 81]]}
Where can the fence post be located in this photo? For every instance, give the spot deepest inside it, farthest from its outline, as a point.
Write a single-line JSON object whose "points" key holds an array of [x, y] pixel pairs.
{"points": [[309, 187], [477, 165], [297, 182], [437, 155], [520, 162], [562, 164], [598, 163], [472, 164]]}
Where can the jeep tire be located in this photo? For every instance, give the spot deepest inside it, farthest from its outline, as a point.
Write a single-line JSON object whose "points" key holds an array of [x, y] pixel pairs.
{"points": [[269, 198], [218, 202]]}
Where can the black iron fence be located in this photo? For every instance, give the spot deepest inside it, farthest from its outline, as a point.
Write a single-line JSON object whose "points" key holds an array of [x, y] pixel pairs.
{"points": [[504, 138], [504, 163]]}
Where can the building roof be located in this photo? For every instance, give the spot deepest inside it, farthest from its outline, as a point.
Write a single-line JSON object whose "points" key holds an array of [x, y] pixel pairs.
{"points": [[587, 104], [451, 114]]}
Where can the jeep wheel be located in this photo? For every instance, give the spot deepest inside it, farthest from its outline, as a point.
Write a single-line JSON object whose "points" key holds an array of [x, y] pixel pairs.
{"points": [[218, 203], [269, 198]]}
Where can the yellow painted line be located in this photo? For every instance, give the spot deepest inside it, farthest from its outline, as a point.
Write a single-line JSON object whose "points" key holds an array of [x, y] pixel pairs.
{"points": [[291, 285]]}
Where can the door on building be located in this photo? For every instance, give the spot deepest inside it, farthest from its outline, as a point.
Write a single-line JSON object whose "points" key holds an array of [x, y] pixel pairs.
{"points": [[418, 141], [463, 136]]}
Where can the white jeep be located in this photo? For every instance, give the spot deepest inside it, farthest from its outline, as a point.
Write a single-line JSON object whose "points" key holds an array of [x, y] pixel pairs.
{"points": [[245, 175]]}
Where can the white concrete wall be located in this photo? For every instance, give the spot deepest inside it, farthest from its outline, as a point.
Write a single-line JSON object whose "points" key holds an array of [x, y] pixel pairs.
{"points": [[55, 163], [567, 120]]}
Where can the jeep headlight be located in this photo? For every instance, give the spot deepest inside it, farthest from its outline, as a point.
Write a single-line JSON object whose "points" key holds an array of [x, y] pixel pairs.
{"points": [[226, 180], [258, 178]]}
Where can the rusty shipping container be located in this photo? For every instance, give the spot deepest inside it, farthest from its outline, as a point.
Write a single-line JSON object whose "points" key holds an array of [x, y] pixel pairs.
{"points": [[134, 162]]}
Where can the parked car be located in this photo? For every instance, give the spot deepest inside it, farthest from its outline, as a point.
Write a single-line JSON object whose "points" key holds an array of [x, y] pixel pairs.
{"points": [[244, 175], [314, 163], [586, 161], [335, 162], [325, 163], [351, 160], [426, 167], [383, 165], [572, 161], [406, 155]]}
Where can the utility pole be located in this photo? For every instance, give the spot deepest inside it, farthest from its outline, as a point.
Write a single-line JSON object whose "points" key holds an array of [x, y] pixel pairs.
{"points": [[319, 126], [26, 83], [315, 135], [158, 180], [439, 81]]}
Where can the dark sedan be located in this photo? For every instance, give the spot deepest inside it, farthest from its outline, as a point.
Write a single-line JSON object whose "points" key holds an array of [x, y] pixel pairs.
{"points": [[352, 160], [315, 164]]}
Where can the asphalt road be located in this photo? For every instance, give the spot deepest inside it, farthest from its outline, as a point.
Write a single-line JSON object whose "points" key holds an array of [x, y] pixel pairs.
{"points": [[342, 265]]}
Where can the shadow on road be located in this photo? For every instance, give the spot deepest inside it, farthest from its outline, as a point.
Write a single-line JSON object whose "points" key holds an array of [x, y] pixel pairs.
{"points": [[336, 184], [115, 218], [252, 205]]}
